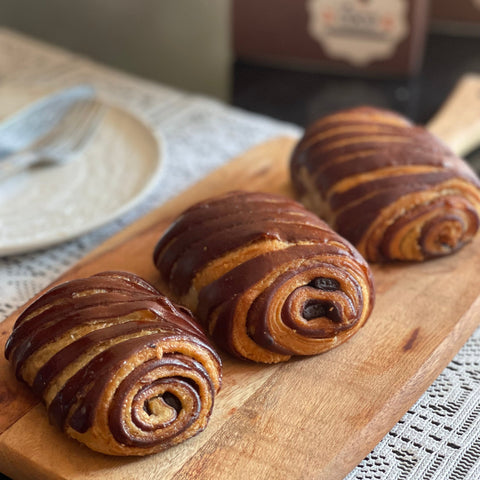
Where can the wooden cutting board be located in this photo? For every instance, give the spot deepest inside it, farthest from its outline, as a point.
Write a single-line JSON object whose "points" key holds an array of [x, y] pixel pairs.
{"points": [[309, 418]]}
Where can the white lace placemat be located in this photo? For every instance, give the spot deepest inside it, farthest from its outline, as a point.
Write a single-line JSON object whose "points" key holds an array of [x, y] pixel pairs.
{"points": [[438, 438]]}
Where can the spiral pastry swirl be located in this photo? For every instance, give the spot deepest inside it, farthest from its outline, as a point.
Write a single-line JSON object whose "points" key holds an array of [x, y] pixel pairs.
{"points": [[390, 187], [268, 278], [119, 367]]}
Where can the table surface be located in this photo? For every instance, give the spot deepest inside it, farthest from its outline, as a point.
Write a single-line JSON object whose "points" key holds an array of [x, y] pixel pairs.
{"points": [[439, 436]]}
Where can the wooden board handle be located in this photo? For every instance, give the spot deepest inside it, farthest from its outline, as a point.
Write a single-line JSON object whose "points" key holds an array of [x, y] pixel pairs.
{"points": [[457, 122]]}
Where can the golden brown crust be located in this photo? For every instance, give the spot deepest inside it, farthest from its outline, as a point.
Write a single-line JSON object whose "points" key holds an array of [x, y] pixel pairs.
{"points": [[268, 278], [390, 187], [118, 366]]}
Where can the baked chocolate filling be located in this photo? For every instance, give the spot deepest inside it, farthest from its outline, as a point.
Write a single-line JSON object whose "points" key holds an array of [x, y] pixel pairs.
{"points": [[172, 401], [314, 310], [317, 309], [324, 283]]}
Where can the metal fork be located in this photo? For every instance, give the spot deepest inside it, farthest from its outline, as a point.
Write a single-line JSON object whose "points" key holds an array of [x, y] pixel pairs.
{"points": [[65, 140]]}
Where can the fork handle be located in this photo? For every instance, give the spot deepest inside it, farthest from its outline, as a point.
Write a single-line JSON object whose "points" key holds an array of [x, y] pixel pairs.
{"points": [[16, 163]]}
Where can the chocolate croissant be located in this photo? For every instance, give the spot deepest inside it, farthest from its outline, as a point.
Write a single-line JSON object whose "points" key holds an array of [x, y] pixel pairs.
{"points": [[267, 278], [119, 367], [390, 187]]}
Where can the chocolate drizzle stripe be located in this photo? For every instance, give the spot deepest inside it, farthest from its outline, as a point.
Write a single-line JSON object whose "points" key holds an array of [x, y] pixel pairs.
{"points": [[112, 334], [59, 310], [98, 282], [81, 394], [345, 183], [387, 189], [365, 162], [173, 373], [341, 134], [374, 155], [192, 261], [419, 143], [333, 150], [213, 209], [170, 429], [197, 244], [354, 117], [441, 211], [354, 222], [60, 325], [246, 274], [242, 229]]}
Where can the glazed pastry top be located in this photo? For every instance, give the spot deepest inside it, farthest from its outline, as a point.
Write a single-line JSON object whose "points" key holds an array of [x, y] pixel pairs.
{"points": [[363, 168], [266, 277], [210, 229], [118, 365]]}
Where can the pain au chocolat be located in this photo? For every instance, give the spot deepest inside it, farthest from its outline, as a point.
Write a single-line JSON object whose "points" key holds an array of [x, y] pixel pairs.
{"points": [[390, 187], [267, 278], [119, 367]]}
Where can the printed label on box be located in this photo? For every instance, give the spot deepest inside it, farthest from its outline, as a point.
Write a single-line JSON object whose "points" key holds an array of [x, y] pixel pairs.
{"points": [[358, 31]]}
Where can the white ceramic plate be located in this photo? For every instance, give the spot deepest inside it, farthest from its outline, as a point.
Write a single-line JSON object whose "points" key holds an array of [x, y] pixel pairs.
{"points": [[44, 206]]}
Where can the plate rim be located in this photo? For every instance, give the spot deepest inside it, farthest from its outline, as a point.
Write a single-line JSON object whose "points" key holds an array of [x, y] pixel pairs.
{"points": [[158, 142]]}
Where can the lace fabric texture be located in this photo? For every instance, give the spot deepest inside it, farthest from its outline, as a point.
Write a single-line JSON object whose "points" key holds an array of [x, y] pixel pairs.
{"points": [[438, 438]]}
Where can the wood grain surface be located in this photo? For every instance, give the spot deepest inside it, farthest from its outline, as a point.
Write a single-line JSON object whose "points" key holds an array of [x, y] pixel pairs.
{"points": [[313, 417]]}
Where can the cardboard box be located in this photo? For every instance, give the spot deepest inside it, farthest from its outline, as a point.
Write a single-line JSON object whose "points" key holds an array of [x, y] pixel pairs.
{"points": [[459, 17], [343, 36]]}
